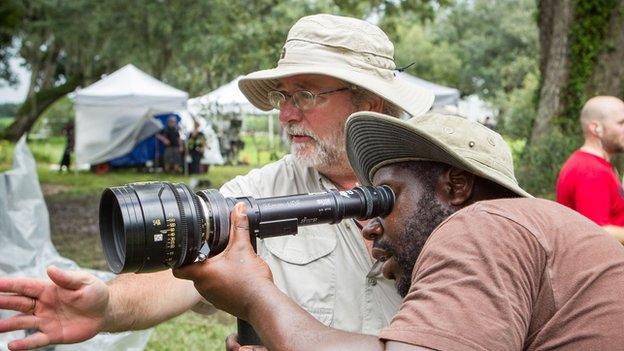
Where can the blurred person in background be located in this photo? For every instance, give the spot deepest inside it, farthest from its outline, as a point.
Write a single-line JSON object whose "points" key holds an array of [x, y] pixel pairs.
{"points": [[588, 182], [170, 136], [68, 132], [196, 145]]}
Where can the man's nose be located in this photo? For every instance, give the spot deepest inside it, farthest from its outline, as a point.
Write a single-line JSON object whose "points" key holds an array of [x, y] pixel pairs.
{"points": [[373, 230], [289, 112]]}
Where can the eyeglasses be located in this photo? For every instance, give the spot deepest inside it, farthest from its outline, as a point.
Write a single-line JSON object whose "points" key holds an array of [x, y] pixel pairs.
{"points": [[303, 99]]}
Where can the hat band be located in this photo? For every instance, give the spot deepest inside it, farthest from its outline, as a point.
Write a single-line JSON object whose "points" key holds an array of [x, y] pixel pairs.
{"points": [[304, 53]]}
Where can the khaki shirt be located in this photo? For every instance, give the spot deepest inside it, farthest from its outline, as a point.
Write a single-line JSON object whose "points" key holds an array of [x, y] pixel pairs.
{"points": [[325, 268]]}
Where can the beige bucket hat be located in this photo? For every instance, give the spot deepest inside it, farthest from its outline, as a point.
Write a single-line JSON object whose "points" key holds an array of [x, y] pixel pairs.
{"points": [[341, 47], [375, 140]]}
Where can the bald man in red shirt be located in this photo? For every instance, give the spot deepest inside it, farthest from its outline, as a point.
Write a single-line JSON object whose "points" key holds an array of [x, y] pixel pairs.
{"points": [[587, 182]]}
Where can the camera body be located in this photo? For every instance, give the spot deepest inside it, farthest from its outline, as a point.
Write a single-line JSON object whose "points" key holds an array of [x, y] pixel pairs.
{"points": [[152, 226]]}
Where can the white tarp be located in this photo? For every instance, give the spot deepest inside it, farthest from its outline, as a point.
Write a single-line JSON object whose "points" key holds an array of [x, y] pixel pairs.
{"points": [[26, 248], [444, 96], [112, 112]]}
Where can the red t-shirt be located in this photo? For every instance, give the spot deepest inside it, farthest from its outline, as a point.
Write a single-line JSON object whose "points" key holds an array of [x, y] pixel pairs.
{"points": [[588, 184]]}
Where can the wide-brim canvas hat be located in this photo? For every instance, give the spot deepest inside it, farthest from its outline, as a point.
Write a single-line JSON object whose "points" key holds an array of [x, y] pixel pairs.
{"points": [[375, 140], [345, 48]]}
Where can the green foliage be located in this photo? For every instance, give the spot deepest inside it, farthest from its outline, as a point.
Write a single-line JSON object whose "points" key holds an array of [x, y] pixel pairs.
{"points": [[11, 13], [517, 148], [55, 117], [433, 60], [517, 109], [47, 150], [5, 122], [541, 163], [495, 41], [261, 123], [588, 35], [8, 110], [258, 150]]}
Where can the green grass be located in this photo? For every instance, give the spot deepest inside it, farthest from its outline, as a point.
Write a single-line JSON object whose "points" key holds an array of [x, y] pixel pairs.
{"points": [[192, 331], [74, 196], [85, 182]]}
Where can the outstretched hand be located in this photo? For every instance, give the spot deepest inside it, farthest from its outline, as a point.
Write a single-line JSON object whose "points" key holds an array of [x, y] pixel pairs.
{"points": [[230, 279], [69, 309]]}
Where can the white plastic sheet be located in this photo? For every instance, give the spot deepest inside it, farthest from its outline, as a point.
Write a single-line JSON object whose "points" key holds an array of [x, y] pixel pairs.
{"points": [[26, 248]]}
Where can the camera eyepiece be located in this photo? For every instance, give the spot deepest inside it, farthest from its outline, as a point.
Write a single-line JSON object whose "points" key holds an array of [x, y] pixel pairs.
{"points": [[153, 226]]}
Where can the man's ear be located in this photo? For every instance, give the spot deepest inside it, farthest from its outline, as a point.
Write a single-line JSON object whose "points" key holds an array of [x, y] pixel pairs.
{"points": [[375, 104], [457, 185]]}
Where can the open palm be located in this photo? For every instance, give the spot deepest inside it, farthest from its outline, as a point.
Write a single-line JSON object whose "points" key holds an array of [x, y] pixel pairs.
{"points": [[69, 309]]}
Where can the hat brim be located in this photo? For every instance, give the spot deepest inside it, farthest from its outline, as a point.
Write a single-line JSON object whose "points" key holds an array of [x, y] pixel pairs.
{"points": [[375, 140], [412, 99]]}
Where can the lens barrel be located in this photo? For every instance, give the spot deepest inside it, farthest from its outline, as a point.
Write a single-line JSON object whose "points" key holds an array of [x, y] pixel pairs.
{"points": [[154, 226]]}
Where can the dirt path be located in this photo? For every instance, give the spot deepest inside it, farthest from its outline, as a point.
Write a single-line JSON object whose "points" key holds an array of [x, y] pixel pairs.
{"points": [[74, 227]]}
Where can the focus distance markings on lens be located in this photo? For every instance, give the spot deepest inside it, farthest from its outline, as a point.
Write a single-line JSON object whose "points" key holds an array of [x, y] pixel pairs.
{"points": [[153, 226]]}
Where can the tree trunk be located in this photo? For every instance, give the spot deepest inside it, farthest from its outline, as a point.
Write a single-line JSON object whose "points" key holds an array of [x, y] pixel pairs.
{"points": [[554, 26], [608, 75], [34, 106]]}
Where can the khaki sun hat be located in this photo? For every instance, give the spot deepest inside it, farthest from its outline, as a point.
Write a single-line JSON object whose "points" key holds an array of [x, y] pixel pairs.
{"points": [[345, 48], [375, 140]]}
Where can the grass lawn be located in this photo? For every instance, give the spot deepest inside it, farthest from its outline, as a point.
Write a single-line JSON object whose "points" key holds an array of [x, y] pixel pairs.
{"points": [[72, 200]]}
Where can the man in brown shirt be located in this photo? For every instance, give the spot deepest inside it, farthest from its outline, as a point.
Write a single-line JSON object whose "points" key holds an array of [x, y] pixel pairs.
{"points": [[481, 264]]}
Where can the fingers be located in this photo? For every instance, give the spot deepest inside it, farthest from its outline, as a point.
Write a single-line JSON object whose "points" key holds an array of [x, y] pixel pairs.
{"points": [[68, 279], [19, 322], [239, 230], [22, 286], [31, 342], [18, 303], [231, 343]]}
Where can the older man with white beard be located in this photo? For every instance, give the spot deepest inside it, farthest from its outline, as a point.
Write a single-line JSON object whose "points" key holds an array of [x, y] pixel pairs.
{"points": [[329, 68]]}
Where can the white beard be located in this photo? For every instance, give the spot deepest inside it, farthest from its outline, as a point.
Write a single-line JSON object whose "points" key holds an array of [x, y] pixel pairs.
{"points": [[318, 154]]}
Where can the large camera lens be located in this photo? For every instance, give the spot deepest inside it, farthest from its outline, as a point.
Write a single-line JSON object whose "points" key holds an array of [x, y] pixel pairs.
{"points": [[153, 226]]}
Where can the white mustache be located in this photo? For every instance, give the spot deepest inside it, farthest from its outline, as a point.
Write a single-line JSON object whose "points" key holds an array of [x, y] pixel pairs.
{"points": [[295, 129]]}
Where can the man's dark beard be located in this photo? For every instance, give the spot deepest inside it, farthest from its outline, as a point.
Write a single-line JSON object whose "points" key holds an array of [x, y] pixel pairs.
{"points": [[426, 216]]}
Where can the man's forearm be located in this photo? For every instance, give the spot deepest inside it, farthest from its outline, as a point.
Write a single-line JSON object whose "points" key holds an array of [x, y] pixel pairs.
{"points": [[283, 325], [140, 301]]}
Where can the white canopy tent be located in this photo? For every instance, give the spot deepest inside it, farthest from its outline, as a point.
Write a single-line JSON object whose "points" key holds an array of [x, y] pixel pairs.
{"points": [[225, 100], [444, 96], [476, 109], [115, 113]]}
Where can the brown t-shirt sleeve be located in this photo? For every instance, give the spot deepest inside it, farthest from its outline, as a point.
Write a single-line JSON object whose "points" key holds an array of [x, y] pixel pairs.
{"points": [[472, 286]]}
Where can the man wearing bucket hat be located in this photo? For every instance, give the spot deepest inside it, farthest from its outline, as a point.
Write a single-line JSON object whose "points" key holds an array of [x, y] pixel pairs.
{"points": [[329, 67], [480, 263]]}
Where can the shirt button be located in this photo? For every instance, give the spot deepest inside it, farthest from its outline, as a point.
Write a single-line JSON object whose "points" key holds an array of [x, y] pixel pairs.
{"points": [[372, 281]]}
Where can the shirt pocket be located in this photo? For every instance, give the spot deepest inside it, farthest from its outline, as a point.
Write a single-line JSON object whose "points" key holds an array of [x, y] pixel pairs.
{"points": [[304, 267]]}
